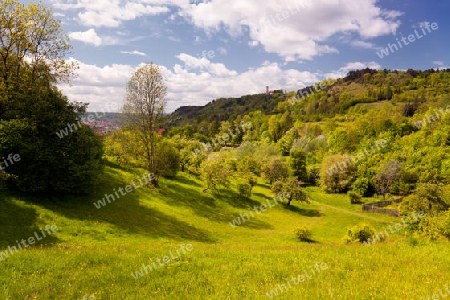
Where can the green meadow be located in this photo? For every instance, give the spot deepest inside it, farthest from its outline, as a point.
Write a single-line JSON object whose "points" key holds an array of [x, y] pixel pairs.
{"points": [[184, 238]]}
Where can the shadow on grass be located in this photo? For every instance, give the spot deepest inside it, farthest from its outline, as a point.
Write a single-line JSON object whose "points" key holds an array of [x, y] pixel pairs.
{"points": [[207, 205], [124, 212], [20, 221], [185, 180], [309, 241], [303, 211]]}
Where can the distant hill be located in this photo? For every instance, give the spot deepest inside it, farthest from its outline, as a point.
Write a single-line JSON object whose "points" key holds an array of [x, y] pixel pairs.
{"points": [[358, 91], [223, 109]]}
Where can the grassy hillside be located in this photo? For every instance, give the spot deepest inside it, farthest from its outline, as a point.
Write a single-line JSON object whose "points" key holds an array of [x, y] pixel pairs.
{"points": [[96, 252]]}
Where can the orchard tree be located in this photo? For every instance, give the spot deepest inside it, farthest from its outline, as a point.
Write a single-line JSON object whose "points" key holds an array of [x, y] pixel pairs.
{"points": [[276, 170], [144, 109], [215, 172], [290, 190]]}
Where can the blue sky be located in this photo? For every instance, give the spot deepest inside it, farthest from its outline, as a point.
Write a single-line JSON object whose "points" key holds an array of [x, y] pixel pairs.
{"points": [[228, 48]]}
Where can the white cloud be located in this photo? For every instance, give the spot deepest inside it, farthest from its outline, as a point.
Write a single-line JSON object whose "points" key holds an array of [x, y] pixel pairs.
{"points": [[106, 13], [362, 44], [88, 37], [174, 39], [135, 52], [292, 28], [106, 85], [438, 63], [360, 65]]}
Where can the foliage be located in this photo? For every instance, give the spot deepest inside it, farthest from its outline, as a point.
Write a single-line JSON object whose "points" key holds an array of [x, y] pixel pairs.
{"points": [[290, 189], [248, 164], [360, 186], [360, 233], [33, 47], [245, 190], [167, 158], [215, 172], [49, 163], [298, 164], [389, 172], [304, 233], [276, 170], [337, 173], [144, 109], [355, 198]]}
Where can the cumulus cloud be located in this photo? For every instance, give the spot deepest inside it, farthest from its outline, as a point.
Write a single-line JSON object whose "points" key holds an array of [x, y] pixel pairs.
{"points": [[89, 37], [294, 29], [106, 86]]}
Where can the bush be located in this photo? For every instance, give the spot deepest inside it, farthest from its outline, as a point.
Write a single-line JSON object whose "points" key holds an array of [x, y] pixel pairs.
{"points": [[361, 186], [359, 233], [245, 190], [355, 198], [304, 234]]}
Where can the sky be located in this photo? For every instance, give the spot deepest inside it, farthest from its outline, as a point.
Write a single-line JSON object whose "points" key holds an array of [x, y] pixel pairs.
{"points": [[209, 49]]}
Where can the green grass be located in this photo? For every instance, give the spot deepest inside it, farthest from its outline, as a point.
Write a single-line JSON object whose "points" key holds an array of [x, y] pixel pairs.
{"points": [[95, 251]]}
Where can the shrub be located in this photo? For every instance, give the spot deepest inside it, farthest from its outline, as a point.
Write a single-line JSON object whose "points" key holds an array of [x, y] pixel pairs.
{"points": [[304, 234], [355, 198], [245, 190], [361, 186], [359, 233]]}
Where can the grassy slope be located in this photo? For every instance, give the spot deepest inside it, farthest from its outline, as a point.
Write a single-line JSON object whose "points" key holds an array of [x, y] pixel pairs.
{"points": [[95, 251]]}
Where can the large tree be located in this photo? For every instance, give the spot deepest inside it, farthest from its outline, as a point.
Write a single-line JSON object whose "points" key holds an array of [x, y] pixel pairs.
{"points": [[57, 153], [144, 109], [31, 40]]}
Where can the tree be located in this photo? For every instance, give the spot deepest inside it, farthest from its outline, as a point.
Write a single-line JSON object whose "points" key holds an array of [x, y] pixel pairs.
{"points": [[144, 109], [215, 172], [167, 159], [30, 36], [290, 190], [50, 164], [389, 172], [298, 164], [336, 173], [275, 170], [57, 153]]}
